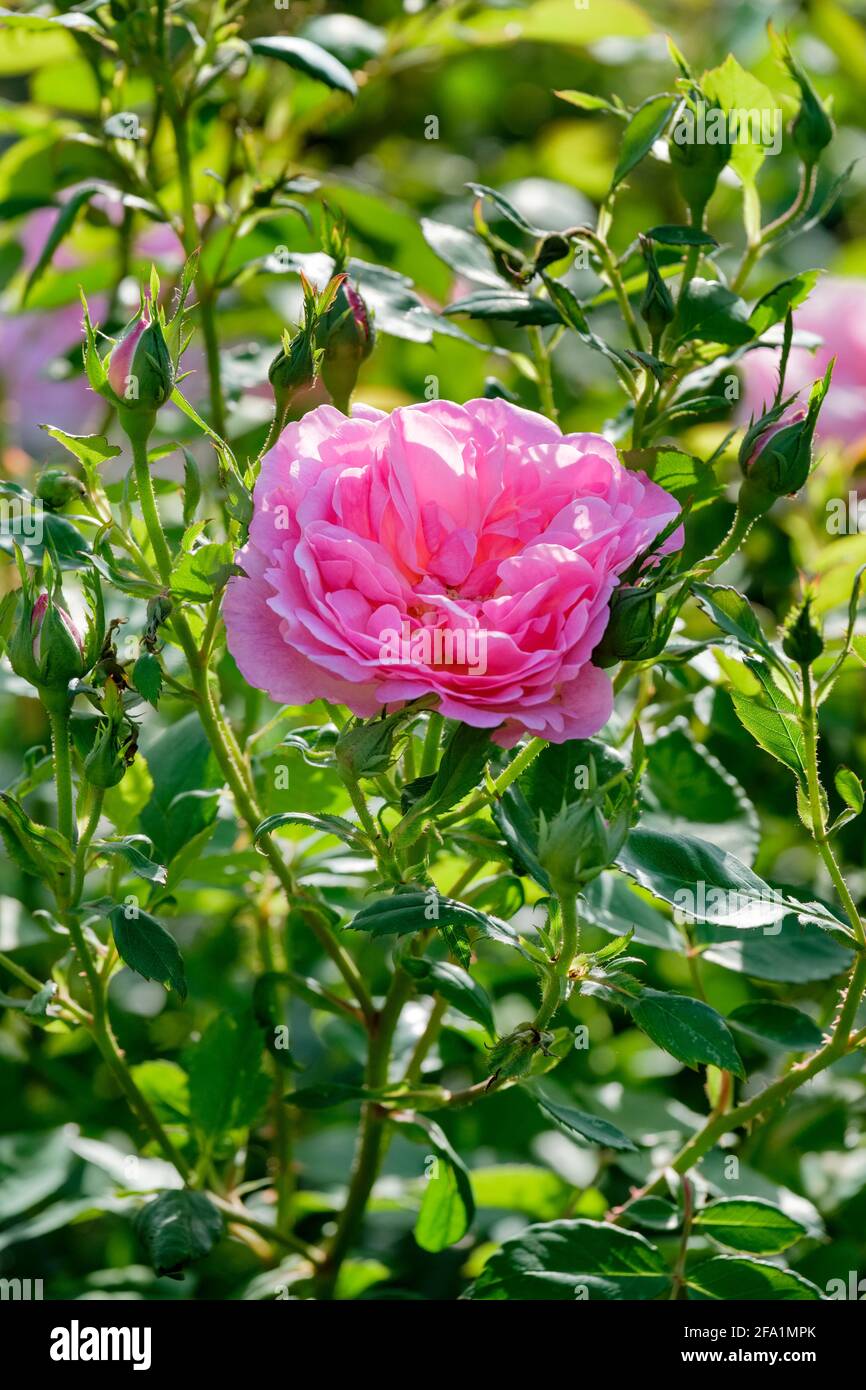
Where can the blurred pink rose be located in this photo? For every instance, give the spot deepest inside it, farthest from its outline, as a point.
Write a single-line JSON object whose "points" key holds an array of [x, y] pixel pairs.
{"points": [[465, 551], [836, 311]]}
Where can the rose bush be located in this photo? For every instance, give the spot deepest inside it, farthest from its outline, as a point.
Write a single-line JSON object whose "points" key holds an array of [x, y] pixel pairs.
{"points": [[433, 831]]}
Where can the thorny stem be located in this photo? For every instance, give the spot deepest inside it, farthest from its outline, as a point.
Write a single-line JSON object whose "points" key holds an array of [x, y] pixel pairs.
{"points": [[557, 979], [223, 743], [840, 1039]]}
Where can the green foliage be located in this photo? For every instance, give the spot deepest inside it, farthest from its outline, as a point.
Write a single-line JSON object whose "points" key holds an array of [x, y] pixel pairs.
{"points": [[454, 1017]]}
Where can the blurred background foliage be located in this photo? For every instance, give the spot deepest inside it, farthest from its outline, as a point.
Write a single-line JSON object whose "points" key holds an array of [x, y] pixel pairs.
{"points": [[487, 77]]}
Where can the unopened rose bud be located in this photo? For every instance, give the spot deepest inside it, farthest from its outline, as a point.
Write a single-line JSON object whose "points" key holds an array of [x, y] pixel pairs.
{"points": [[46, 648], [140, 369], [812, 129], [579, 843], [656, 306], [346, 334], [56, 487], [696, 161], [294, 369], [105, 764], [629, 633], [802, 640]]}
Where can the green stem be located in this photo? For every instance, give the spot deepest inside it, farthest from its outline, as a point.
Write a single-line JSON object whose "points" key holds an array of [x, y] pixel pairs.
{"points": [[430, 750], [816, 804], [372, 1134], [224, 745], [527, 754], [147, 499], [63, 772], [545, 378], [426, 1041], [808, 179], [555, 985], [740, 528]]}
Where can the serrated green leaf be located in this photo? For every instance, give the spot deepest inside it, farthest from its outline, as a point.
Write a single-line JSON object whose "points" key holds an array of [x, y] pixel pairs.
{"points": [[752, 1281], [750, 1224], [561, 1259], [147, 948], [686, 1028], [586, 1128]]}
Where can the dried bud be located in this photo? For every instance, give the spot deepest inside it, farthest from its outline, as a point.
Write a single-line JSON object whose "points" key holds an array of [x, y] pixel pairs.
{"points": [[550, 250]]}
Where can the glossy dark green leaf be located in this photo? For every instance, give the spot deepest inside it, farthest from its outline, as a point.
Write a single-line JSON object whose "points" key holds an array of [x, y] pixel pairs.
{"points": [[749, 1224], [688, 1029], [507, 305], [565, 1260], [455, 985], [147, 948], [585, 1128], [711, 313], [776, 1026], [644, 128], [309, 58], [177, 1228], [749, 1281]]}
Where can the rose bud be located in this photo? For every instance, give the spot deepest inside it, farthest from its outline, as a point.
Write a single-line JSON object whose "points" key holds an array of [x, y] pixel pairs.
{"points": [[812, 128], [105, 764], [802, 640], [293, 369], [346, 334], [776, 452], [140, 369], [657, 306], [46, 648], [56, 487], [629, 633], [697, 161], [579, 843]]}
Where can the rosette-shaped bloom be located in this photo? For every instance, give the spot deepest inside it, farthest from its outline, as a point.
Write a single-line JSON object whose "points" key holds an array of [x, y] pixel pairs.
{"points": [[466, 552]]}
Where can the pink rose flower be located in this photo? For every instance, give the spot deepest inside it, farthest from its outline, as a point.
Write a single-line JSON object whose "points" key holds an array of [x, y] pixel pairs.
{"points": [[464, 551], [835, 311]]}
